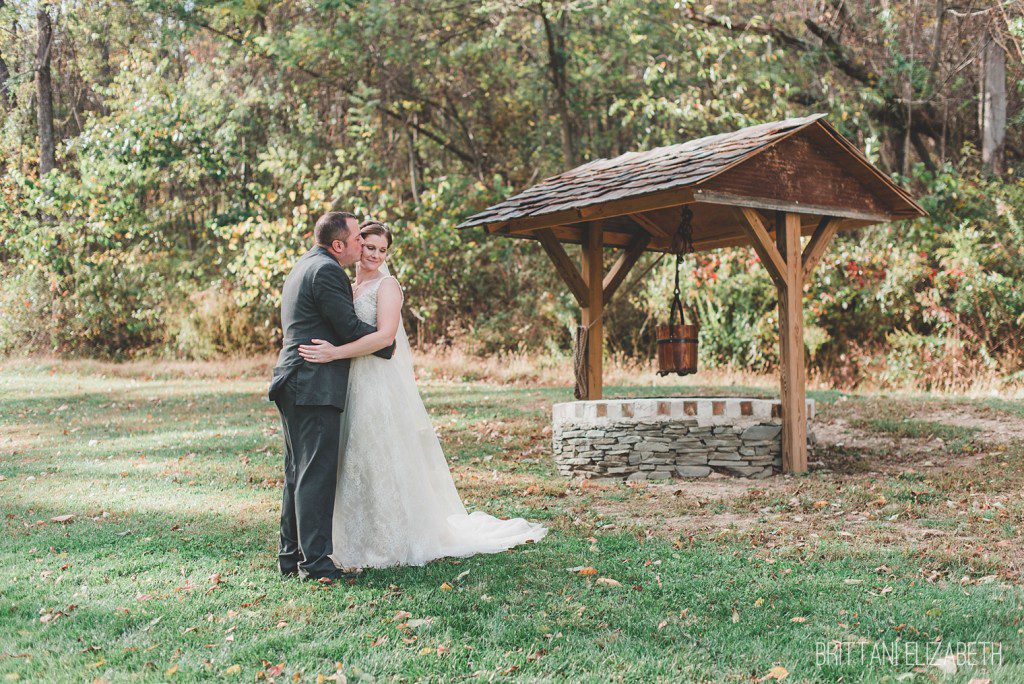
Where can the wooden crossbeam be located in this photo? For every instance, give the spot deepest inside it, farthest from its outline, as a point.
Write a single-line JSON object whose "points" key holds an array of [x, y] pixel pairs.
{"points": [[650, 226], [818, 243], [529, 230], [751, 223], [663, 199], [615, 277], [564, 265], [769, 204]]}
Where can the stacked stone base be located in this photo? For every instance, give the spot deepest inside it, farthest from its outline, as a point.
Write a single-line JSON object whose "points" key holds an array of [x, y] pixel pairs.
{"points": [[674, 438]]}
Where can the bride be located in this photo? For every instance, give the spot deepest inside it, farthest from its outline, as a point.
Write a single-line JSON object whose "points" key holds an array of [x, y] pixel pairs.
{"points": [[396, 502]]}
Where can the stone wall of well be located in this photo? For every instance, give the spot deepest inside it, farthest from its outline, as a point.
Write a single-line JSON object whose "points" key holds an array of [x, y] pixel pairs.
{"points": [[658, 439]]}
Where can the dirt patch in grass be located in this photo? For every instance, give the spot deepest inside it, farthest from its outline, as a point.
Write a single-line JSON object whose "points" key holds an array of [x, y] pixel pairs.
{"points": [[880, 478], [993, 427]]}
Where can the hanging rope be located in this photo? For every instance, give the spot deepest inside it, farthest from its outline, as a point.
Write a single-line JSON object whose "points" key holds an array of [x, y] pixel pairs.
{"points": [[579, 360]]}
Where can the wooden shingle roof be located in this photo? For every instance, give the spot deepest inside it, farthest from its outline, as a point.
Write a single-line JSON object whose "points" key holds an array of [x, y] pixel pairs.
{"points": [[595, 191]]}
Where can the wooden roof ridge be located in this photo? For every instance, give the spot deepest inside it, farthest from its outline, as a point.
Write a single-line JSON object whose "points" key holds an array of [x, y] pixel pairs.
{"points": [[666, 169]]}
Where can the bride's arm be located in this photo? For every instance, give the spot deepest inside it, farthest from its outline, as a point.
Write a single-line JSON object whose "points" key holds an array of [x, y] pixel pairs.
{"points": [[389, 315]]}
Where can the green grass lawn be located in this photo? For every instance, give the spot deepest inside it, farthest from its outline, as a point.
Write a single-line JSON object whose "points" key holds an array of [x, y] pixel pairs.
{"points": [[166, 570]]}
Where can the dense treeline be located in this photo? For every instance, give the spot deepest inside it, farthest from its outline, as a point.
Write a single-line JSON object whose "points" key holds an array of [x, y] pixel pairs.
{"points": [[162, 163]]}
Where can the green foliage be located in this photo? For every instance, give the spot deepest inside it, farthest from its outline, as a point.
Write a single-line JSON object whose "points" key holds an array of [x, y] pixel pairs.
{"points": [[200, 141]]}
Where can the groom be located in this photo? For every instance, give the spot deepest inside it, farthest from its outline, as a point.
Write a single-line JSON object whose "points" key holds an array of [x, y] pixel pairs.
{"points": [[316, 302]]}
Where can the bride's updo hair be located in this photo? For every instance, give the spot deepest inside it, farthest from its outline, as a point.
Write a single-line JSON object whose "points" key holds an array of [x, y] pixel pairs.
{"points": [[372, 227]]}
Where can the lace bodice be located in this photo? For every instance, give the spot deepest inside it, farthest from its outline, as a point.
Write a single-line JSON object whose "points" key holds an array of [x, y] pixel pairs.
{"points": [[366, 302]]}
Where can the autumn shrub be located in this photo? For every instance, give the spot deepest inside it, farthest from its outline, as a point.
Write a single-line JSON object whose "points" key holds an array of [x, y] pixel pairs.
{"points": [[26, 306], [211, 323]]}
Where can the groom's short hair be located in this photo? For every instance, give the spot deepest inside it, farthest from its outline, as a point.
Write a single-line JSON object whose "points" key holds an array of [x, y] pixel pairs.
{"points": [[332, 226]]}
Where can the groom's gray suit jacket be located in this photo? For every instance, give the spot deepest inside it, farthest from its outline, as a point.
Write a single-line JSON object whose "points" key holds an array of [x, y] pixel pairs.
{"points": [[316, 302]]}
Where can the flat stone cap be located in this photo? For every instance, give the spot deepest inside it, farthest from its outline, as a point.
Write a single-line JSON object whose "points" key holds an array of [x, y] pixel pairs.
{"points": [[706, 411]]}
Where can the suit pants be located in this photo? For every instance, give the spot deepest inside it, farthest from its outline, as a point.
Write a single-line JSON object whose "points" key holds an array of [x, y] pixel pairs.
{"points": [[312, 436]]}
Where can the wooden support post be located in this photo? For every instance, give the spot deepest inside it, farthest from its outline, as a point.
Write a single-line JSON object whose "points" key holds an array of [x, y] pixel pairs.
{"points": [[790, 267], [791, 346], [593, 275]]}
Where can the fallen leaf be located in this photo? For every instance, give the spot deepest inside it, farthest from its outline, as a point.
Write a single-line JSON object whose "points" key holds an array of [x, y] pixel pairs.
{"points": [[798, 619], [608, 582], [63, 518], [170, 671], [233, 670], [275, 670], [445, 586], [778, 673]]}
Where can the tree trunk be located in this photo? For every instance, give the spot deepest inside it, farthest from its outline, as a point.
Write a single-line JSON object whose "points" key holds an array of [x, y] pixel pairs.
{"points": [[410, 141], [6, 96], [992, 105], [556, 68], [44, 94]]}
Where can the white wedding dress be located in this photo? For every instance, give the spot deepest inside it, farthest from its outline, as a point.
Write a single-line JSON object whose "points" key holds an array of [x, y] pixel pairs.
{"points": [[396, 502]]}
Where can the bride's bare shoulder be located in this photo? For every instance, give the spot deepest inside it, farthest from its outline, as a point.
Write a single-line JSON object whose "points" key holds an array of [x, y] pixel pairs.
{"points": [[390, 282]]}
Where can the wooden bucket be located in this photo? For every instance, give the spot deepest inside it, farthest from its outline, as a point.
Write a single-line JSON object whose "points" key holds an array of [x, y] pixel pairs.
{"points": [[677, 348]]}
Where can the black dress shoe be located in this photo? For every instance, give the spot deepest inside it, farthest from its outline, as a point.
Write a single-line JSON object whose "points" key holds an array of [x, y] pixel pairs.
{"points": [[324, 577]]}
